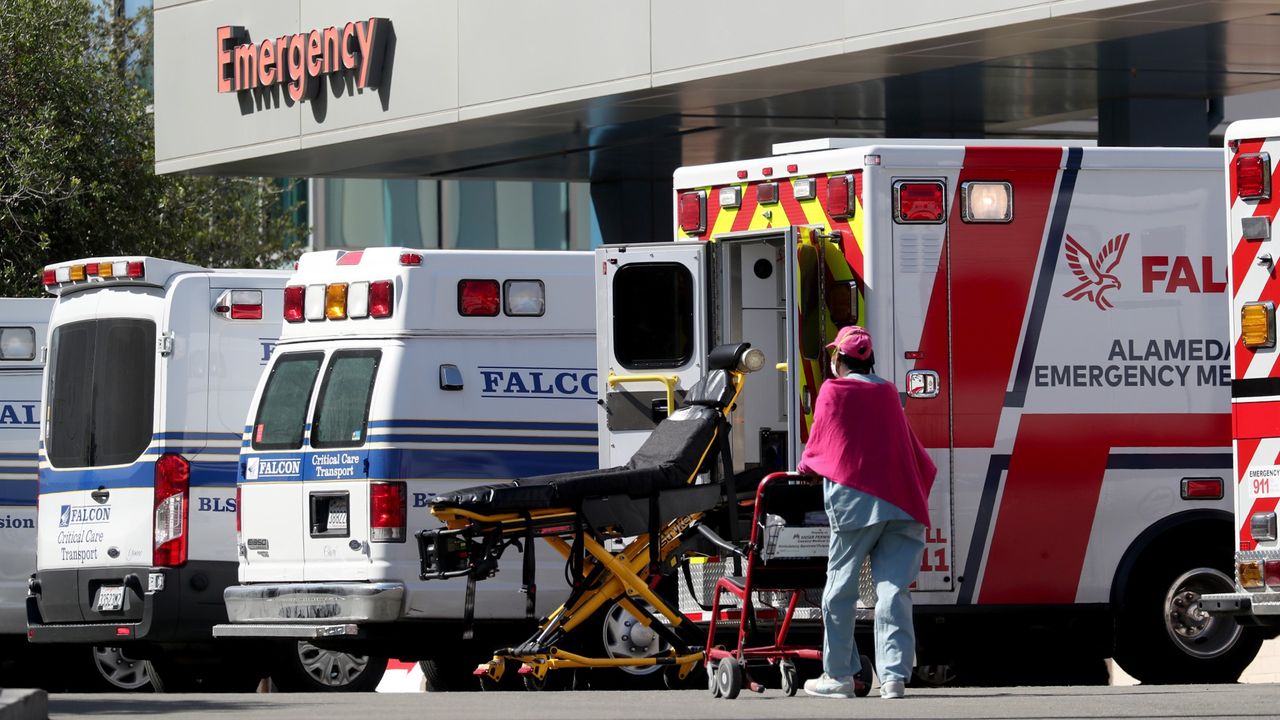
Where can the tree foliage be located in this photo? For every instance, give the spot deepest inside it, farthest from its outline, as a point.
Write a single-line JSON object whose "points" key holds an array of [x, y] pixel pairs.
{"points": [[77, 178]]}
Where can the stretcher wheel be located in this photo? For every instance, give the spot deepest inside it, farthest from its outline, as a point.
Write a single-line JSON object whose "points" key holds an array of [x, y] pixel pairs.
{"points": [[550, 682], [729, 678], [790, 680], [862, 686]]}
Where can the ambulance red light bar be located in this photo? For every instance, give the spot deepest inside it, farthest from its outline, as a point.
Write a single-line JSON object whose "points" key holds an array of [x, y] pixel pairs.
{"points": [[339, 301], [840, 201], [172, 486], [478, 298], [918, 202], [380, 294], [387, 512], [55, 275], [1253, 175], [693, 212], [293, 298]]}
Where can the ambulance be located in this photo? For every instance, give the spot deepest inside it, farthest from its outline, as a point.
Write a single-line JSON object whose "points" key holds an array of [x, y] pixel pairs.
{"points": [[400, 374], [1052, 316], [23, 325], [150, 368], [1252, 593]]}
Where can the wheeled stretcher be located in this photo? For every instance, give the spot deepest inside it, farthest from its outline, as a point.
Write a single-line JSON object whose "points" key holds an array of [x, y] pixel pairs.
{"points": [[680, 474]]}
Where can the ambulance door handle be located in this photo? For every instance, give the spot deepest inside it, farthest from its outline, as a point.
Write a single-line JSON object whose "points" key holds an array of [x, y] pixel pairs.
{"points": [[101, 495], [922, 384]]}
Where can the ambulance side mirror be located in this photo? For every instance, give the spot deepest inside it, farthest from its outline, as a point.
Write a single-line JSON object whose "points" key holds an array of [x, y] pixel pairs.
{"points": [[450, 377]]}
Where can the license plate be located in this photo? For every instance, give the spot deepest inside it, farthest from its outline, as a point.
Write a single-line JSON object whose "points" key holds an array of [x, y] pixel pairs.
{"points": [[110, 597], [337, 515], [329, 514]]}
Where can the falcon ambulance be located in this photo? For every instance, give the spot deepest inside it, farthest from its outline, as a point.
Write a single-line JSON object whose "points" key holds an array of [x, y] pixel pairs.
{"points": [[399, 374], [151, 365], [1252, 593], [23, 325], [1053, 318]]}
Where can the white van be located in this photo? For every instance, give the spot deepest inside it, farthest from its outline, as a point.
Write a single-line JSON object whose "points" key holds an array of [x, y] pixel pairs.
{"points": [[400, 374], [151, 366]]}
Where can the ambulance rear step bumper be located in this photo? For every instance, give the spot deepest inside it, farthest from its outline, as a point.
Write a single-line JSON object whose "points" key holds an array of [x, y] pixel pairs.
{"points": [[314, 604], [1261, 608], [301, 632]]}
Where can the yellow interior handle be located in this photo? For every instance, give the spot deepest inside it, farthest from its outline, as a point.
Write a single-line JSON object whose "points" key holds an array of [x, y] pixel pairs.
{"points": [[780, 367], [668, 380]]}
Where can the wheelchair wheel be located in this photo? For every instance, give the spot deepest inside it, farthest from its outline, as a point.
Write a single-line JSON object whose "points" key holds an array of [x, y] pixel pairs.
{"points": [[729, 678], [790, 679], [713, 681], [862, 687]]}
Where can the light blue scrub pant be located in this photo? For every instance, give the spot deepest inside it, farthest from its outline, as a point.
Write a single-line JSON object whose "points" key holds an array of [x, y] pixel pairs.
{"points": [[895, 548]]}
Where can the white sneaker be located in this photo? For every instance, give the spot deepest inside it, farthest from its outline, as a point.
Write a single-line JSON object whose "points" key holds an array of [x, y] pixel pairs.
{"points": [[892, 689], [826, 686]]}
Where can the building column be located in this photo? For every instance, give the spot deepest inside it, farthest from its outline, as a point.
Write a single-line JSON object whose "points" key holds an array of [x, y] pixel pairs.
{"points": [[633, 211]]}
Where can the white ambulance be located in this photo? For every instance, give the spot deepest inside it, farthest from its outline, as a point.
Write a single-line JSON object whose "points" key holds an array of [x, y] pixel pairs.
{"points": [[1252, 592], [400, 374], [23, 325], [151, 365], [1053, 318]]}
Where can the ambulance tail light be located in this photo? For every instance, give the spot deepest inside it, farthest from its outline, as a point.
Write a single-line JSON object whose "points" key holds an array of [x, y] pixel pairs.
{"points": [[1271, 573], [1258, 324], [1253, 175], [840, 200], [172, 488], [293, 300], [387, 511], [693, 212], [478, 298], [1249, 574], [380, 299], [240, 305], [918, 202]]}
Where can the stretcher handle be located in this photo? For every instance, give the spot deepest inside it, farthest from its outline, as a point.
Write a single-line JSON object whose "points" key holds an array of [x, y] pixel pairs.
{"points": [[667, 380], [720, 542]]}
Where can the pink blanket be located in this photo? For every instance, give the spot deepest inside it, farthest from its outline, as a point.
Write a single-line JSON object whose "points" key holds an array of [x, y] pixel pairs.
{"points": [[860, 438]]}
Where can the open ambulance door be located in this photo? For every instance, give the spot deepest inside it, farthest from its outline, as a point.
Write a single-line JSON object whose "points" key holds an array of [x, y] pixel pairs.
{"points": [[652, 323]]}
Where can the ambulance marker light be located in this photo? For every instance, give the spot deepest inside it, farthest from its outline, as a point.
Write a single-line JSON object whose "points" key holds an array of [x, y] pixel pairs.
{"points": [[358, 299], [1250, 574], [1258, 324], [293, 299], [135, 270], [335, 301], [77, 273], [123, 632], [1201, 488], [693, 212], [840, 203], [767, 172], [478, 298], [1271, 572], [246, 304], [411, 259], [870, 159], [793, 168], [387, 511], [120, 269], [50, 276], [730, 197], [314, 302], [742, 174], [806, 188], [1253, 176], [918, 202], [380, 294], [106, 270], [64, 274]]}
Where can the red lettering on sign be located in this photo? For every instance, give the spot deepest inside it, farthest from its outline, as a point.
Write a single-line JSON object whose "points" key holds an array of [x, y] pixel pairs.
{"points": [[301, 59], [1180, 274]]}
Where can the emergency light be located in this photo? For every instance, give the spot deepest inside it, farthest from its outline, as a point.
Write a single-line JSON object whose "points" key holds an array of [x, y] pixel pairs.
{"points": [[840, 200], [524, 298], [986, 202], [90, 271], [916, 201], [1253, 175], [1258, 324], [1250, 575], [478, 298], [172, 486], [387, 511], [339, 301], [693, 212], [17, 343]]}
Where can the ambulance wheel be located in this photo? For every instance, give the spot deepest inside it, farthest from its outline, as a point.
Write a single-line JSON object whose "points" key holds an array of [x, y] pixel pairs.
{"points": [[303, 667], [790, 679], [1164, 637], [450, 675], [862, 687], [729, 678], [120, 671]]}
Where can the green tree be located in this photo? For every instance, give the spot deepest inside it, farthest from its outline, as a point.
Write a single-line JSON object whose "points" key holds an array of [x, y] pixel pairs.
{"points": [[77, 178]]}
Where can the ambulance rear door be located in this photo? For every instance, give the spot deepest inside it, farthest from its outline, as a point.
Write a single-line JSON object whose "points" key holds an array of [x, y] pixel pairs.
{"points": [[653, 329]]}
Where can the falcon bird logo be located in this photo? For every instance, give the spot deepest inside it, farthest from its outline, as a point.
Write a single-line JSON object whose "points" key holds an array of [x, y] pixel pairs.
{"points": [[1095, 273]]}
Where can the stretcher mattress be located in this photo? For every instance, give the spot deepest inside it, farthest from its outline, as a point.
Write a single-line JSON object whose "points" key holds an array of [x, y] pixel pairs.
{"points": [[668, 459]]}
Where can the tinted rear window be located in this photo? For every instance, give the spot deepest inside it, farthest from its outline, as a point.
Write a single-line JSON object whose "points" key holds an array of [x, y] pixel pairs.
{"points": [[282, 414], [342, 413], [101, 392], [653, 315]]}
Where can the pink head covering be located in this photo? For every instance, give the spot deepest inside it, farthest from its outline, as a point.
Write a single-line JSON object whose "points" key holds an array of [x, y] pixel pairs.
{"points": [[854, 341]]}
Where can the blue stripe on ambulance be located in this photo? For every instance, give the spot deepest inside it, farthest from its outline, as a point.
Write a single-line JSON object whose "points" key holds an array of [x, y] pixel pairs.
{"points": [[428, 464]]}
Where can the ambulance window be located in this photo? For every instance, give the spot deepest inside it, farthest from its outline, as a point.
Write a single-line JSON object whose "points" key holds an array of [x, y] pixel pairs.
{"points": [[101, 392], [653, 315], [342, 412], [282, 414]]}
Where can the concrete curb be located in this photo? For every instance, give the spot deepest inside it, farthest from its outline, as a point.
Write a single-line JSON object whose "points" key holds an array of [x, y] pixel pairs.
{"points": [[23, 704]]}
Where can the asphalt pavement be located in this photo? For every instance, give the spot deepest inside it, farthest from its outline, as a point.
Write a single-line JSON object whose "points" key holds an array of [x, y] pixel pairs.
{"points": [[1174, 701]]}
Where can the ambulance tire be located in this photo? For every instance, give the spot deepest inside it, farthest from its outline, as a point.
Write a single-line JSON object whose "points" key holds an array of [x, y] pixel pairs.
{"points": [[450, 675], [303, 667], [226, 675], [1161, 636], [112, 669]]}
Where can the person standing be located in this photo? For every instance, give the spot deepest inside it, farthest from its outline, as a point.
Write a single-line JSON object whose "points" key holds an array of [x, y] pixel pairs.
{"points": [[877, 477]]}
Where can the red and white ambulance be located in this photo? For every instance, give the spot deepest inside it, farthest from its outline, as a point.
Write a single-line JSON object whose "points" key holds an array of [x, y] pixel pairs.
{"points": [[1254, 597], [1053, 318]]}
